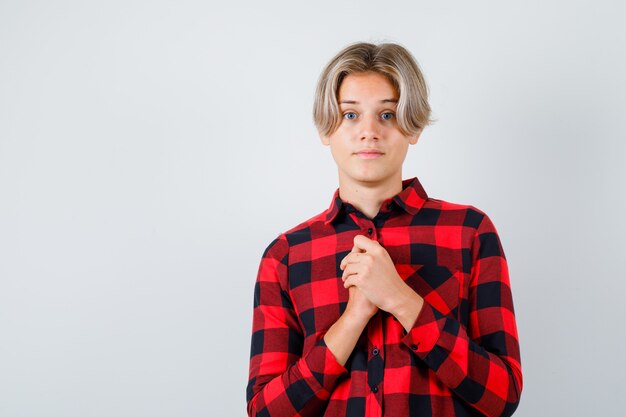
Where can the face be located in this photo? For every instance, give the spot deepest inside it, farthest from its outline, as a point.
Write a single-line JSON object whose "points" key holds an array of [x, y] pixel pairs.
{"points": [[368, 146]]}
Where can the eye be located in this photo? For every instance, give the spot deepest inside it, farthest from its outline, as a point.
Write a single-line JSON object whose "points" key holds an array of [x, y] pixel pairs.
{"points": [[387, 115], [350, 115]]}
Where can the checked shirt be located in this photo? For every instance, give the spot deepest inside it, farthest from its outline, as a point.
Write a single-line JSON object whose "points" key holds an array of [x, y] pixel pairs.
{"points": [[460, 358]]}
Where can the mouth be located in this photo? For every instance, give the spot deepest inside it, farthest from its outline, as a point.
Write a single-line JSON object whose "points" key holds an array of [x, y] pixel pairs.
{"points": [[369, 154]]}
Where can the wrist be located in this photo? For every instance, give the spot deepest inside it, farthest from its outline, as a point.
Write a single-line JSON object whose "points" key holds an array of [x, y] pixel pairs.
{"points": [[407, 308], [355, 319], [343, 335]]}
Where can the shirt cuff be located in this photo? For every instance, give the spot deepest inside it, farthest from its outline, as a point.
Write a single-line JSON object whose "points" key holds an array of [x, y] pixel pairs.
{"points": [[321, 370], [425, 331]]}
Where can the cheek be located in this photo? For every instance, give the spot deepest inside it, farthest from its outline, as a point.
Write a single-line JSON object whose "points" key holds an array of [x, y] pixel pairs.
{"points": [[338, 155], [340, 151], [333, 152]]}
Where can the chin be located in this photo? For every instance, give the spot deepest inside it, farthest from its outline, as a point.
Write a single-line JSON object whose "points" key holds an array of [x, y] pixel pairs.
{"points": [[370, 178]]}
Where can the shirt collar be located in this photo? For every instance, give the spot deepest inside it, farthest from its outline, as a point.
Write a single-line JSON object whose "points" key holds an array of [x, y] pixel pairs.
{"points": [[410, 199]]}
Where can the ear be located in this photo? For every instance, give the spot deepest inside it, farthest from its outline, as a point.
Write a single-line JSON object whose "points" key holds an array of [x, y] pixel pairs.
{"points": [[325, 139], [414, 138]]}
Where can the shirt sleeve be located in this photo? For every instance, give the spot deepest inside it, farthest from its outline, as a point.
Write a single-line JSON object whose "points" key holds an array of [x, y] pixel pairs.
{"points": [[282, 381], [480, 363]]}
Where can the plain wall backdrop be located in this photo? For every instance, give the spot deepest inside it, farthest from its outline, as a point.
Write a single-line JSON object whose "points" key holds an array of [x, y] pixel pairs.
{"points": [[151, 150]]}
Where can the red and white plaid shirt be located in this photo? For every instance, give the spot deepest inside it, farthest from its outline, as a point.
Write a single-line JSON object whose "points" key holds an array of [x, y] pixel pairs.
{"points": [[461, 358]]}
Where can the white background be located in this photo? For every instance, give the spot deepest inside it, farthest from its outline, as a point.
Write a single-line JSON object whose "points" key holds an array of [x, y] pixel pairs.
{"points": [[151, 150]]}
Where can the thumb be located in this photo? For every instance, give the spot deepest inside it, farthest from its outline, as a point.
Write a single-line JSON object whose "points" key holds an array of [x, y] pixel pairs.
{"points": [[357, 249], [362, 244]]}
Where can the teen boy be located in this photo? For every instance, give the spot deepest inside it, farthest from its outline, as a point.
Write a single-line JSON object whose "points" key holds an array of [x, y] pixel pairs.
{"points": [[390, 302]]}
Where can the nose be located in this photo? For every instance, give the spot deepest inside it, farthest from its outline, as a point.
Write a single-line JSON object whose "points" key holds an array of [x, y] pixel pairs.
{"points": [[369, 127]]}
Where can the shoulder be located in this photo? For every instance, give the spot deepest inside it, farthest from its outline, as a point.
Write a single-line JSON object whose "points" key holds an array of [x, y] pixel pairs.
{"points": [[279, 247], [474, 223], [458, 214]]}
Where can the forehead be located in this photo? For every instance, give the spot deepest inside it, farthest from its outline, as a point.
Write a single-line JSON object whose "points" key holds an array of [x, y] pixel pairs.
{"points": [[367, 85]]}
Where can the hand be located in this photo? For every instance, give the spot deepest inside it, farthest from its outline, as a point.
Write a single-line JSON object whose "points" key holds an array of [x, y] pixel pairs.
{"points": [[342, 336], [370, 268], [359, 306]]}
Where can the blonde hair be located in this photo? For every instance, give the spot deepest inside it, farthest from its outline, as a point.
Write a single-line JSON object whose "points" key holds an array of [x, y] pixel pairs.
{"points": [[389, 59]]}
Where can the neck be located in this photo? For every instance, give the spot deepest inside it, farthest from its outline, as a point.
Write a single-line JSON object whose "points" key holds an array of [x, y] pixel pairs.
{"points": [[368, 197]]}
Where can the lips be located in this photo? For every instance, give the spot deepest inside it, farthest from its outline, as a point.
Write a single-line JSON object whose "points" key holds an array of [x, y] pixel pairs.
{"points": [[369, 153]]}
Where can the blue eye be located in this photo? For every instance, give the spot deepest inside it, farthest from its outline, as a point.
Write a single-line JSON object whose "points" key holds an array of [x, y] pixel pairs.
{"points": [[350, 115], [387, 116]]}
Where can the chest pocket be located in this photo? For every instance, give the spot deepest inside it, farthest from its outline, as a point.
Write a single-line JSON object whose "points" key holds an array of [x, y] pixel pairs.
{"points": [[439, 286]]}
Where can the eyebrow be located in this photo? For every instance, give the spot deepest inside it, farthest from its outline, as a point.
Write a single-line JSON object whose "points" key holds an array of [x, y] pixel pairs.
{"points": [[387, 100]]}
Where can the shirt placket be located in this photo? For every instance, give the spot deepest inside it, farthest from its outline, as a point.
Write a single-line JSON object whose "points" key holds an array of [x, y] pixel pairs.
{"points": [[375, 343]]}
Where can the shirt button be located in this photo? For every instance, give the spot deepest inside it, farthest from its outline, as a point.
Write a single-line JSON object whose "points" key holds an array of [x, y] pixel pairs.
{"points": [[414, 346], [374, 351], [369, 231], [374, 389]]}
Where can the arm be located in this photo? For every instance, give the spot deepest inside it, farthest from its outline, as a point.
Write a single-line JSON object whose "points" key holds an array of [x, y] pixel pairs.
{"points": [[283, 382], [480, 363], [342, 336]]}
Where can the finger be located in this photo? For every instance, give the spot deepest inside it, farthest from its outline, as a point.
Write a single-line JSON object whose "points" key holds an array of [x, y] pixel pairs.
{"points": [[350, 281], [352, 258], [350, 270], [356, 249], [363, 243], [344, 261]]}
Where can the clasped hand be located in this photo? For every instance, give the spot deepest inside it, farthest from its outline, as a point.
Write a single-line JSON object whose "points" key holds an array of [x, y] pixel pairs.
{"points": [[370, 269]]}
